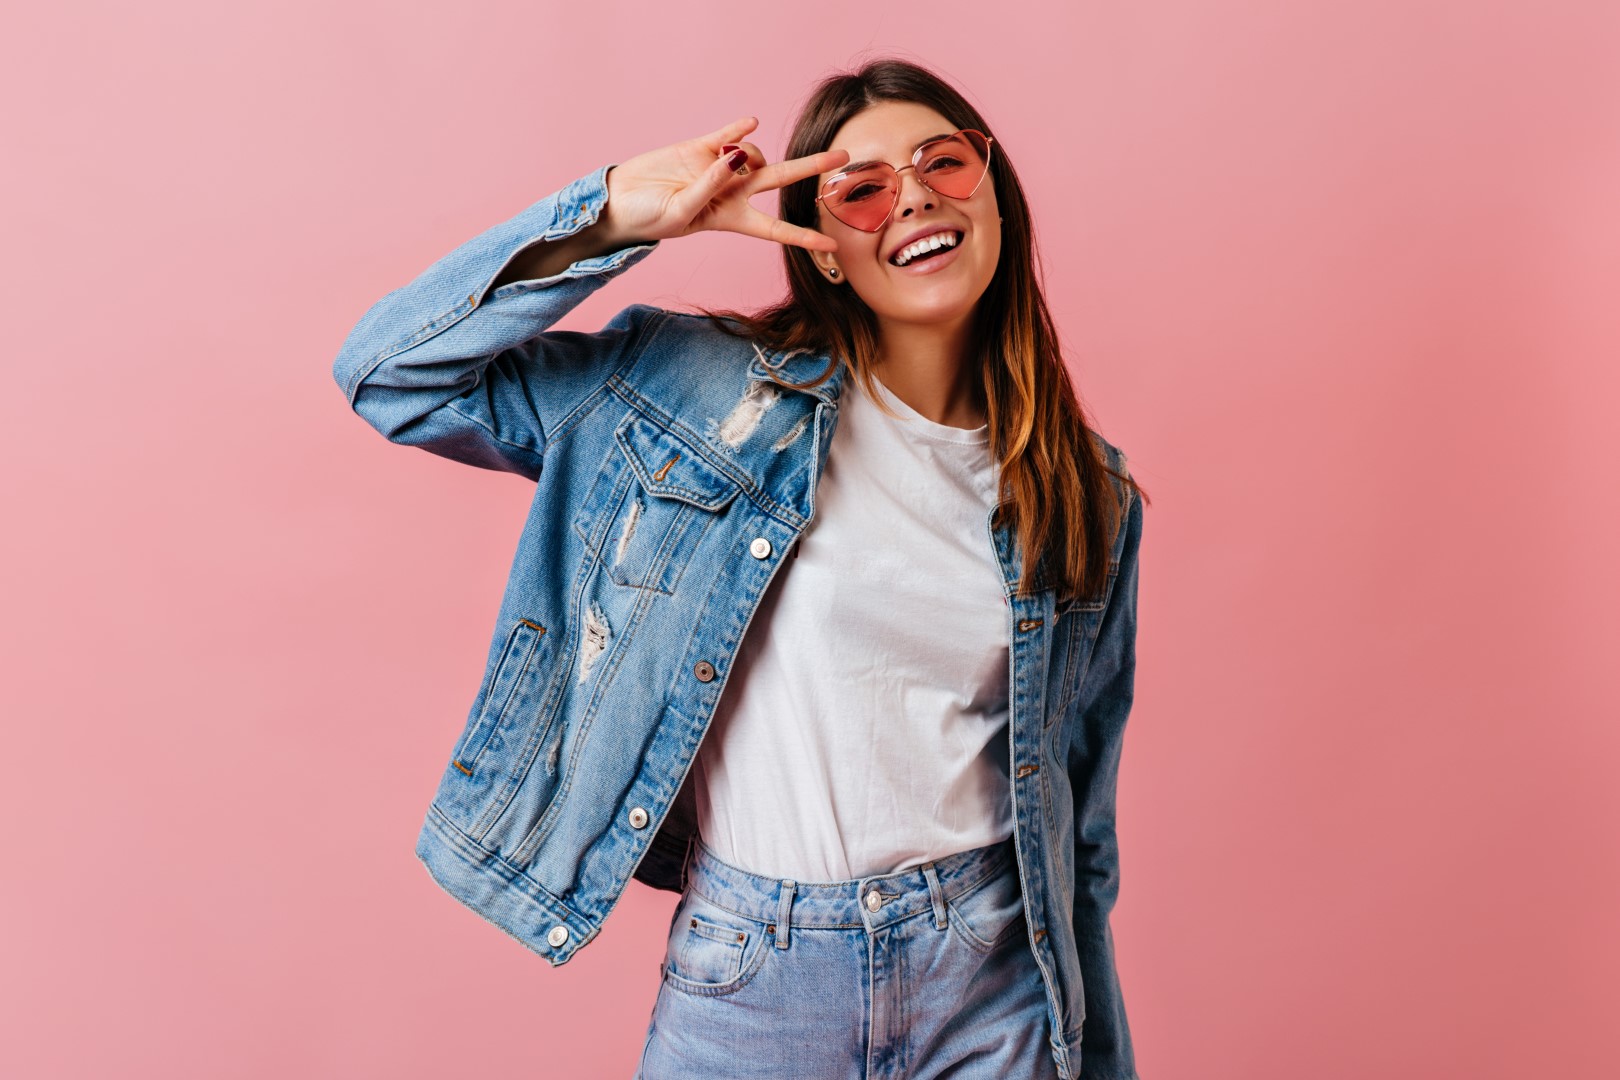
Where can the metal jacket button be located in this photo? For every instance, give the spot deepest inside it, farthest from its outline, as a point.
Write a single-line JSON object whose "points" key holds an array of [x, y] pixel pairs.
{"points": [[638, 818], [873, 900], [558, 935], [703, 670], [760, 548]]}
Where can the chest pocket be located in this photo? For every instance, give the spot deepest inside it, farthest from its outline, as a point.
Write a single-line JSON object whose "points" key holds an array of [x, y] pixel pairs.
{"points": [[650, 506]]}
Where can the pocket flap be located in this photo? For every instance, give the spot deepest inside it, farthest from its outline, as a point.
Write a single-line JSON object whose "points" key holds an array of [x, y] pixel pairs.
{"points": [[669, 468], [1095, 603]]}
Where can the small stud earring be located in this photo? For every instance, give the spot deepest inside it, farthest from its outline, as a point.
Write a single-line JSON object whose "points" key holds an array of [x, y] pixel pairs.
{"points": [[833, 274]]}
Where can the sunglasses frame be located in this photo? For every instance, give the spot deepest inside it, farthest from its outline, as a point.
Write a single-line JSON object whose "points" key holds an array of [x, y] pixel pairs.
{"points": [[916, 159]]}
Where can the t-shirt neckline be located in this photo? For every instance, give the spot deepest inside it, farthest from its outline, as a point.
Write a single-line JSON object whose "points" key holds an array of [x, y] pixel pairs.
{"points": [[922, 425]]}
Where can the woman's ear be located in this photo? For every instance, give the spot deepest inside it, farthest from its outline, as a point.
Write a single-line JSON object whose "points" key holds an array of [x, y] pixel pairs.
{"points": [[827, 263]]}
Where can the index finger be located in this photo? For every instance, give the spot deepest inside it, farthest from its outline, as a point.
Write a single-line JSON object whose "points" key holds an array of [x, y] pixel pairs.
{"points": [[783, 173]]}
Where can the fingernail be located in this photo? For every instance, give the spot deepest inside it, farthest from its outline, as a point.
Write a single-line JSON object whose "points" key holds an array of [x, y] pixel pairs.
{"points": [[737, 160], [728, 148]]}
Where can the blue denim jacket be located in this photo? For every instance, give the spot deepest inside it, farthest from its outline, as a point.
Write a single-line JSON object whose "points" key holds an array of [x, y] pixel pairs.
{"points": [[613, 644]]}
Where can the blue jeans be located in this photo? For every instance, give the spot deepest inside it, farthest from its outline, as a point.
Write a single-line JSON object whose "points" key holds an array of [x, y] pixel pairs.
{"points": [[921, 974]]}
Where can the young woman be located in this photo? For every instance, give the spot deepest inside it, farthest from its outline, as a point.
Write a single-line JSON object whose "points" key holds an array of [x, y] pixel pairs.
{"points": [[823, 617]]}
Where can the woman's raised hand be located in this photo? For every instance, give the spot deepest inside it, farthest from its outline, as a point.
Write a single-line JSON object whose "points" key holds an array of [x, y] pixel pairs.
{"points": [[689, 186]]}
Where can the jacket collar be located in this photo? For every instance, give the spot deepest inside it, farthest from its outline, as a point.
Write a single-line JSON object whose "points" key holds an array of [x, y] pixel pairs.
{"points": [[802, 365], [1010, 556], [799, 366]]}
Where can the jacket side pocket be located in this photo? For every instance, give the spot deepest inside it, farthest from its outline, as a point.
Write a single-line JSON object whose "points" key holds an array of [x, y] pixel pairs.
{"points": [[513, 672]]}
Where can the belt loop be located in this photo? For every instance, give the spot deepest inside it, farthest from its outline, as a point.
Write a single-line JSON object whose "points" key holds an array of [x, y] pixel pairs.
{"points": [[784, 908], [686, 860], [936, 894]]}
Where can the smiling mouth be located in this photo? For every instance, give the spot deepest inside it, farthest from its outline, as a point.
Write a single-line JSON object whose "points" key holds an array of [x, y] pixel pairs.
{"points": [[928, 247]]}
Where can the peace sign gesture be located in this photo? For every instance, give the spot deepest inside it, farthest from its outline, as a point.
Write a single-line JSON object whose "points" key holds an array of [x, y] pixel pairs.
{"points": [[691, 186]]}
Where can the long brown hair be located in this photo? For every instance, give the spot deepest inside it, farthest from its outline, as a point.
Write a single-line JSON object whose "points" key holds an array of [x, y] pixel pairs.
{"points": [[1053, 474]]}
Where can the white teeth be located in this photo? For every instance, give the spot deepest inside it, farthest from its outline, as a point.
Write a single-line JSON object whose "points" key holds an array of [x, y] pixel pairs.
{"points": [[927, 243]]}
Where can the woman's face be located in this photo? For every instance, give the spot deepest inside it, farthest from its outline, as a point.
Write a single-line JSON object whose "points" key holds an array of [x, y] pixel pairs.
{"points": [[942, 288]]}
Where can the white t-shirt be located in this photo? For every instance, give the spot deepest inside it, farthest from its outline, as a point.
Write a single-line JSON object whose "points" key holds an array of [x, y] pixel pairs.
{"points": [[863, 729]]}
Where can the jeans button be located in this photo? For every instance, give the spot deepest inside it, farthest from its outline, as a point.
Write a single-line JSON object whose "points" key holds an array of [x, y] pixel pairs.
{"points": [[873, 900], [760, 548], [638, 818], [558, 936], [704, 671]]}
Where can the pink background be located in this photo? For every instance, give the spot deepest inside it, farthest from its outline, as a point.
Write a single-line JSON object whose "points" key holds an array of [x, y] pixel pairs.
{"points": [[1342, 278]]}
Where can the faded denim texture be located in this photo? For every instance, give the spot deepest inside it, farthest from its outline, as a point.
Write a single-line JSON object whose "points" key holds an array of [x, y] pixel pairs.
{"points": [[910, 976], [672, 476]]}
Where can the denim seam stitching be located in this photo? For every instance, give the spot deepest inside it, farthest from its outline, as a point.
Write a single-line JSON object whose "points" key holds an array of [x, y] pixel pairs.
{"points": [[486, 732], [602, 676], [730, 911], [782, 514], [959, 923], [633, 352], [466, 847], [530, 843], [977, 883], [428, 330], [686, 986]]}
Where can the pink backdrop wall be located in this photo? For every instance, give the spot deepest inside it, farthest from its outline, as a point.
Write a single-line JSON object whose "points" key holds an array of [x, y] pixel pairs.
{"points": [[1342, 279]]}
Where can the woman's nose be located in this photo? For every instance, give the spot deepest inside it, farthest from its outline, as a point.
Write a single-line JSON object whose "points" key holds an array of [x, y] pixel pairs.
{"points": [[914, 194]]}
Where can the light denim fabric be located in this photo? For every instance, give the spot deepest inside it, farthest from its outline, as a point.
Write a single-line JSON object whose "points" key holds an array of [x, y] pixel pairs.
{"points": [[909, 976], [672, 476]]}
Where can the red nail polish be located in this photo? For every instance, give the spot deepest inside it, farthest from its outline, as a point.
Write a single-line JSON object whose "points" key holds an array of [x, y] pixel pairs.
{"points": [[737, 160], [728, 148]]}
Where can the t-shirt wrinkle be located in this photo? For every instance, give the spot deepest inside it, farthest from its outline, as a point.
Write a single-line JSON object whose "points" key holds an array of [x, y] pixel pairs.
{"points": [[863, 729]]}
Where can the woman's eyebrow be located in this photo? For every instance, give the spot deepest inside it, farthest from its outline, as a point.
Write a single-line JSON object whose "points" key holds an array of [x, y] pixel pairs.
{"points": [[856, 166]]}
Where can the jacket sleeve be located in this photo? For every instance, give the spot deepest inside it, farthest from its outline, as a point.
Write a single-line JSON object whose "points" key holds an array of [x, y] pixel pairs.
{"points": [[472, 374], [1103, 704]]}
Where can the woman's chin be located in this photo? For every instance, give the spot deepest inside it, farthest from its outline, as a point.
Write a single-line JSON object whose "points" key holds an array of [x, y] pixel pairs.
{"points": [[952, 298]]}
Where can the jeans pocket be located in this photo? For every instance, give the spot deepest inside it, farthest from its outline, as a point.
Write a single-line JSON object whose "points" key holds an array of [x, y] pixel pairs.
{"points": [[990, 913], [712, 950]]}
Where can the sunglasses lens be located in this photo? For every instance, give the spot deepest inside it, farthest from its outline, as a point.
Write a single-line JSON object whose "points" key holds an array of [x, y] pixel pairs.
{"points": [[954, 166], [862, 199]]}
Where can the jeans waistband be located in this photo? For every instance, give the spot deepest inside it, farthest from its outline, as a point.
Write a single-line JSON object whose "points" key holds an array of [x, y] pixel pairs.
{"points": [[873, 902]]}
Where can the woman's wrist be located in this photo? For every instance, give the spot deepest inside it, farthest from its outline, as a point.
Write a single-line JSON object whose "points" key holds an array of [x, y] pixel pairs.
{"points": [[606, 227]]}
